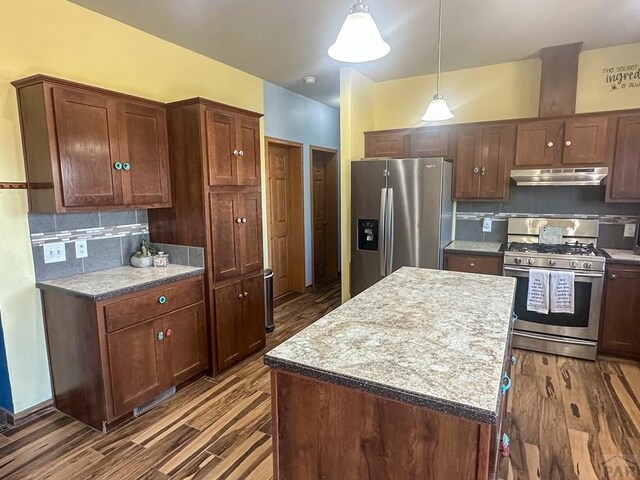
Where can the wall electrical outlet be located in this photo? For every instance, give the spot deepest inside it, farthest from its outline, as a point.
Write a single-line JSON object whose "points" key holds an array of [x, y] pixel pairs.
{"points": [[629, 229], [81, 249], [486, 224], [54, 252]]}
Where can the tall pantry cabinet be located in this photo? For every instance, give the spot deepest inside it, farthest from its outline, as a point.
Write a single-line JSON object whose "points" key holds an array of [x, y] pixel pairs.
{"points": [[215, 174]]}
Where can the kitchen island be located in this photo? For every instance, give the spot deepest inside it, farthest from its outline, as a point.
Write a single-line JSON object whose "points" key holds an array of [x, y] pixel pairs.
{"points": [[405, 381]]}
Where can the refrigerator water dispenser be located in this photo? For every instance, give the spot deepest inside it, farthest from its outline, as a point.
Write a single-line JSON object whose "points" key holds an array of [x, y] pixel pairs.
{"points": [[367, 234]]}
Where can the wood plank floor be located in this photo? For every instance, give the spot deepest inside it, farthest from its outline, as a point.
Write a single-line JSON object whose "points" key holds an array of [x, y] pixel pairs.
{"points": [[566, 417]]}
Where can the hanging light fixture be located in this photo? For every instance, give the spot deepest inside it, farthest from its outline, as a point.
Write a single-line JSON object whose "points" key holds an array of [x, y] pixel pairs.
{"points": [[438, 109], [359, 39]]}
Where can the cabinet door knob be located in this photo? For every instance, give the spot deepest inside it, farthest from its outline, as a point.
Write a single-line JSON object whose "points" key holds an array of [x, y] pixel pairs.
{"points": [[162, 299], [568, 143], [482, 170], [235, 152], [160, 336], [168, 333], [241, 153], [613, 276], [126, 166], [550, 144], [238, 220], [117, 166], [245, 294], [240, 296], [476, 170], [506, 383], [472, 265], [244, 220]]}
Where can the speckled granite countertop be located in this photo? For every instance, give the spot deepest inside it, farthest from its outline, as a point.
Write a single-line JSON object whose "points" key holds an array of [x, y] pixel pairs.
{"points": [[622, 256], [118, 281], [431, 338], [481, 248]]}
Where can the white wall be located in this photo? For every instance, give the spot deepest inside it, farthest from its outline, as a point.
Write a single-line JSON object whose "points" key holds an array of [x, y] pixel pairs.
{"points": [[289, 116]]}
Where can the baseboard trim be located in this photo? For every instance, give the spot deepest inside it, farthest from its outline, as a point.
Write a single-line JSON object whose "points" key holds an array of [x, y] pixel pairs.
{"points": [[28, 415]]}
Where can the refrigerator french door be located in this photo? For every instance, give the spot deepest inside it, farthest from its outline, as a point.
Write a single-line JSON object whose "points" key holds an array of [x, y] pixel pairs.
{"points": [[401, 215]]}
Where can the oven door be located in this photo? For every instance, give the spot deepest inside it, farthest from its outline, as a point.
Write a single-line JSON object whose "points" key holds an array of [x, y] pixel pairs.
{"points": [[582, 323]]}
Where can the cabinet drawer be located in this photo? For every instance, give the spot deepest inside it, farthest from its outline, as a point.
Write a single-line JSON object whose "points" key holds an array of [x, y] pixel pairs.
{"points": [[151, 303], [457, 262]]}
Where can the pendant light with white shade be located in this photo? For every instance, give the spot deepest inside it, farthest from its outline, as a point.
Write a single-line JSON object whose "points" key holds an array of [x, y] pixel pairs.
{"points": [[438, 109], [359, 39]]}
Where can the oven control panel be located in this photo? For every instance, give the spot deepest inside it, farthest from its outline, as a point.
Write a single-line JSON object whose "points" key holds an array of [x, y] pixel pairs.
{"points": [[547, 261]]}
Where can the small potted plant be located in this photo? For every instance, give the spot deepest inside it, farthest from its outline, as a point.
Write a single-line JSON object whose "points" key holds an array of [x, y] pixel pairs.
{"points": [[144, 256]]}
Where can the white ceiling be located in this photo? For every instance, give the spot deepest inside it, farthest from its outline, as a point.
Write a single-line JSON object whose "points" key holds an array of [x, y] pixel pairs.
{"points": [[284, 40]]}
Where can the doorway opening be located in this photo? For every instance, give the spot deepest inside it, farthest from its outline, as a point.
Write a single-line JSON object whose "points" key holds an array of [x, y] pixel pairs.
{"points": [[285, 212], [325, 237]]}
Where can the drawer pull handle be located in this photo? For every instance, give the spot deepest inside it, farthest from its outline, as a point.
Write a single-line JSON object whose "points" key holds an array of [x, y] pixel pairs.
{"points": [[168, 333], [126, 166], [514, 360], [514, 317], [117, 166], [472, 265], [160, 336], [506, 383], [613, 276], [162, 300]]}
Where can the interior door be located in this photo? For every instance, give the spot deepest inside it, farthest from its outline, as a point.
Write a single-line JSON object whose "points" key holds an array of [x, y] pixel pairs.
{"points": [[222, 149], [539, 143], [228, 307], [585, 141], [253, 330], [248, 151], [136, 360], [319, 220], [498, 145], [625, 184], [250, 205], [142, 133], [90, 164], [280, 222], [468, 163], [185, 343], [225, 222], [368, 209]]}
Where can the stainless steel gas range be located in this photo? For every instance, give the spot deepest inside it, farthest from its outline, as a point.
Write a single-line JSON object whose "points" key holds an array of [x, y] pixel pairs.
{"points": [[575, 334]]}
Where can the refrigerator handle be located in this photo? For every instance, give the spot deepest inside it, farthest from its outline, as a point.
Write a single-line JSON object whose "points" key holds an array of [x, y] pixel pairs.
{"points": [[389, 221], [382, 231]]}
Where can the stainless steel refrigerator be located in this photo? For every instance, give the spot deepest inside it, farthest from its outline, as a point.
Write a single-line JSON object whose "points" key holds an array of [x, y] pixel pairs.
{"points": [[401, 215]]}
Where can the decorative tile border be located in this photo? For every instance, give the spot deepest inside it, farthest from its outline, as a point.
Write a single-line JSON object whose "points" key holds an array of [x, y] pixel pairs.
{"points": [[94, 233], [606, 219]]}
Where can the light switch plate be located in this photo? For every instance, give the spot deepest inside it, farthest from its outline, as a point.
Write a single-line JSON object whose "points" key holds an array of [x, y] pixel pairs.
{"points": [[54, 252], [486, 224], [81, 249], [629, 229]]}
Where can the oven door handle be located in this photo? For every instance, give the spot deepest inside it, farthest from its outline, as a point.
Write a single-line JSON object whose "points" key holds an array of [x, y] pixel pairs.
{"points": [[526, 270]]}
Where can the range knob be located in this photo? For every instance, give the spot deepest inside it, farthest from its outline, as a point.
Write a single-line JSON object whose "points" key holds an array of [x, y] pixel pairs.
{"points": [[573, 264], [531, 261], [587, 265], [517, 261], [552, 262]]}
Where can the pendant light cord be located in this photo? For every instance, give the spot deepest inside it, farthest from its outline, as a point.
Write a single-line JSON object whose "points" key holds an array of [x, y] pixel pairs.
{"points": [[439, 47]]}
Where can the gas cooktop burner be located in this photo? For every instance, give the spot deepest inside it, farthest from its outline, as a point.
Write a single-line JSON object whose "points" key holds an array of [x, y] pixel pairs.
{"points": [[585, 249]]}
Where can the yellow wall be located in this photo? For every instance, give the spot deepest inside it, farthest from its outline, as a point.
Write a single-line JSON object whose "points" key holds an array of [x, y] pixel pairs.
{"points": [[61, 39], [356, 116]]}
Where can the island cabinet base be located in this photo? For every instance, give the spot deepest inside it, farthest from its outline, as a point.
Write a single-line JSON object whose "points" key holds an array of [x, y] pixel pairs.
{"points": [[326, 431]]}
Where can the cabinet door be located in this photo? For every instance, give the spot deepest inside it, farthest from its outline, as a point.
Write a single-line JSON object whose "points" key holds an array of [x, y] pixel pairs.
{"points": [[136, 362], [384, 145], [248, 151], [250, 232], [222, 150], [225, 224], [621, 321], [142, 134], [497, 154], [625, 181], [253, 329], [228, 307], [87, 148], [539, 143], [185, 343], [585, 141], [433, 142], [467, 163]]}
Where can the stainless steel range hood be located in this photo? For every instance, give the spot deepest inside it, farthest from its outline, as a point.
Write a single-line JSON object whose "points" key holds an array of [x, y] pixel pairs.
{"points": [[560, 176]]}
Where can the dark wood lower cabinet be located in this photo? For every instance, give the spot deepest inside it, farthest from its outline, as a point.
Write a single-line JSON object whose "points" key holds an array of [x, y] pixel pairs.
{"points": [[100, 373], [620, 322], [239, 309], [471, 263]]}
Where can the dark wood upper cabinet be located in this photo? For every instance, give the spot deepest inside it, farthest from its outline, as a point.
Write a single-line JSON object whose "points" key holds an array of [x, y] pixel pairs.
{"points": [[142, 131], [382, 144], [624, 181], [539, 143], [249, 151], [620, 319], [226, 226], [483, 155], [87, 148], [586, 141], [432, 142]]}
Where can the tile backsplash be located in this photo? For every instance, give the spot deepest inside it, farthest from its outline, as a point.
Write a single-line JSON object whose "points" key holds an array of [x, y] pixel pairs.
{"points": [[581, 201]]}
